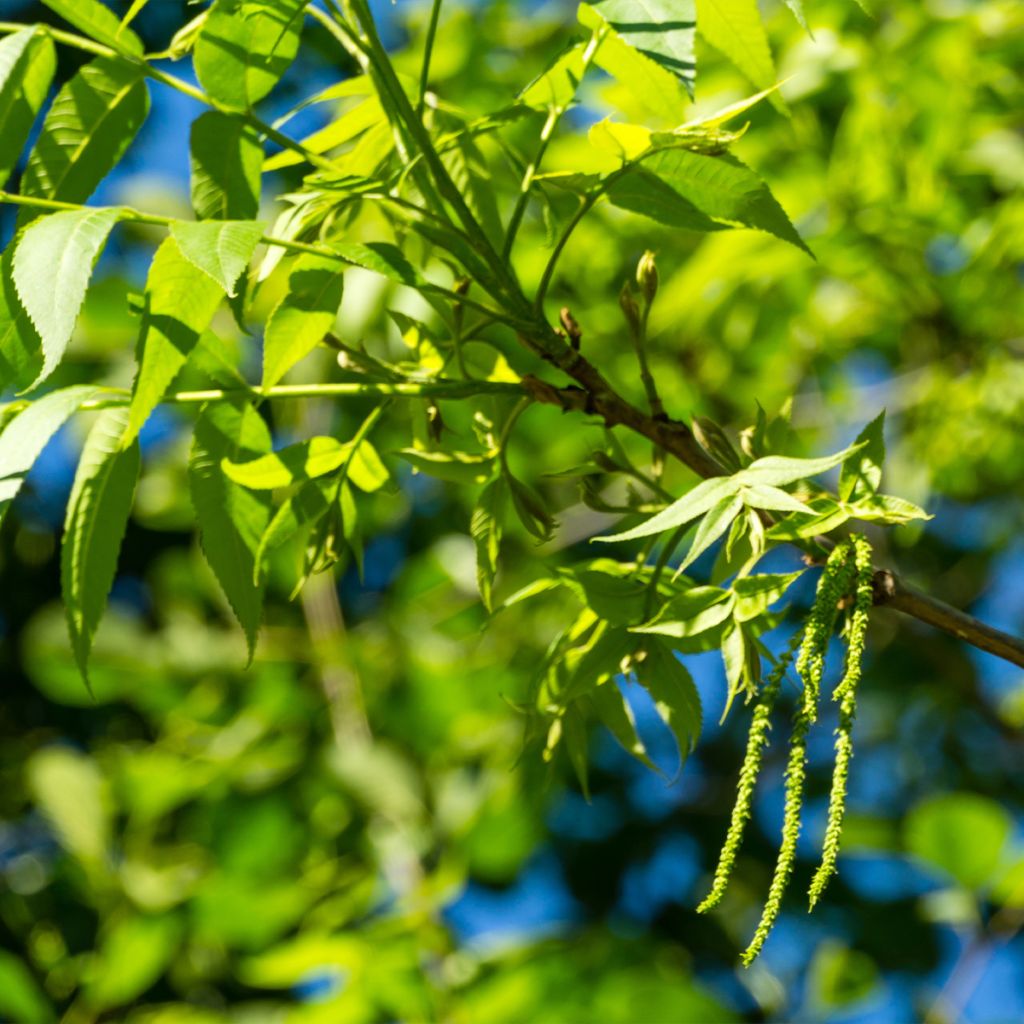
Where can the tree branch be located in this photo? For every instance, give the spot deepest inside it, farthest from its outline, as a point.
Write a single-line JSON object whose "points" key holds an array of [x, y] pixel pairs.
{"points": [[595, 396]]}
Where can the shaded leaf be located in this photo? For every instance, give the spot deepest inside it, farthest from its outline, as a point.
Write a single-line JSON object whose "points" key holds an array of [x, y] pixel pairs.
{"points": [[231, 519], [861, 474], [226, 162], [28, 61], [90, 124], [181, 302], [97, 515], [98, 22]]}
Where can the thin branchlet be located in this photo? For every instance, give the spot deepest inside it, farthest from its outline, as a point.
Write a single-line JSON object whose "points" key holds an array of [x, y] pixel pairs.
{"points": [[757, 741], [846, 693]]}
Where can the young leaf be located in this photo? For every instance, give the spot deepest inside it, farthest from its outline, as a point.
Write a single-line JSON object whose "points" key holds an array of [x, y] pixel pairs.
{"points": [[712, 526], [306, 460], [885, 508], [365, 468], [617, 715], [303, 317], [245, 47], [97, 515], [227, 163], [557, 86], [735, 29], [705, 496], [99, 23], [382, 258], [692, 612], [232, 519], [53, 262], [300, 511], [486, 528], [28, 61], [862, 471], [28, 433], [780, 470], [674, 694], [774, 499], [574, 732], [91, 123], [221, 249], [181, 301], [755, 594]]}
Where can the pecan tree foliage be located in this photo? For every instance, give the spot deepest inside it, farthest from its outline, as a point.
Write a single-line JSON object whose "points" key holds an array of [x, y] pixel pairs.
{"points": [[401, 184]]}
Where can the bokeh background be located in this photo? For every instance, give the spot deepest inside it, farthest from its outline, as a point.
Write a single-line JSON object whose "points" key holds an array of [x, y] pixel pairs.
{"points": [[351, 830]]}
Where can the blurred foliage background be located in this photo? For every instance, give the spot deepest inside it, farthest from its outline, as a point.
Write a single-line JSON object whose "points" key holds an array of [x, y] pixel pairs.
{"points": [[347, 831]]}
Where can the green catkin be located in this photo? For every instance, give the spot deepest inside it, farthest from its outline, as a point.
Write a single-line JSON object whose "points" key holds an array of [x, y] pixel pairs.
{"points": [[846, 693], [834, 583], [757, 741]]}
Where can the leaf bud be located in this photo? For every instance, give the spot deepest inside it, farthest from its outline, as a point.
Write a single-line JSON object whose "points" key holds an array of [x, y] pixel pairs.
{"points": [[647, 277]]}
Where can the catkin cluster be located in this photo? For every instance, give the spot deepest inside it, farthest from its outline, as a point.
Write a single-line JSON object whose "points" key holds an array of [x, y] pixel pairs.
{"points": [[847, 574]]}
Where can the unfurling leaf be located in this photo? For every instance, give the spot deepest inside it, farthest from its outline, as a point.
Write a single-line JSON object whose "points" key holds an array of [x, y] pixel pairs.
{"points": [[97, 515], [486, 528]]}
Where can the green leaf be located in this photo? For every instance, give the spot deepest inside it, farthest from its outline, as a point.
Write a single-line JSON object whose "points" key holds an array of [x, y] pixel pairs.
{"points": [[702, 498], [91, 123], [21, 349], [232, 519], [862, 471], [556, 86], [530, 509], [735, 29], [734, 656], [53, 262], [22, 999], [245, 47], [692, 612], [99, 23], [650, 84], [221, 249], [773, 499], [306, 460], [885, 508], [961, 834], [712, 526], [452, 467], [674, 694], [756, 594], [28, 61], [720, 187], [486, 527], [574, 732], [300, 511], [662, 30], [97, 516], [612, 590], [380, 257], [181, 301], [303, 317], [780, 470], [826, 515], [227, 163], [28, 433], [366, 470], [615, 713]]}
